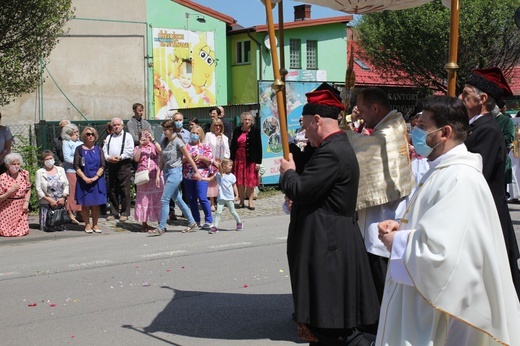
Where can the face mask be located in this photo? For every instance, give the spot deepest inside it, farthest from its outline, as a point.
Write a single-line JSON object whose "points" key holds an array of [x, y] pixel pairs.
{"points": [[14, 169], [194, 137], [178, 124], [49, 163], [419, 141]]}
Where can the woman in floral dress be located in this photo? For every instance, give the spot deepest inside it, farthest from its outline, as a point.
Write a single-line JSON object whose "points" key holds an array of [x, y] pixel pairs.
{"points": [[146, 154], [52, 187], [15, 193]]}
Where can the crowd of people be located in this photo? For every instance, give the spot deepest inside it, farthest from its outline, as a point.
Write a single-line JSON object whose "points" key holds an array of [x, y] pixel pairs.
{"points": [[184, 168], [385, 252]]}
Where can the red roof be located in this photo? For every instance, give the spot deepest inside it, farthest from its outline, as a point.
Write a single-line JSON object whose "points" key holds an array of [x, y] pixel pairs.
{"points": [[308, 22], [367, 75], [206, 10], [514, 80]]}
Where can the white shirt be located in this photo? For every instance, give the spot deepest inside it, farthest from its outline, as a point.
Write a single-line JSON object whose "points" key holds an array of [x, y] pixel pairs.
{"points": [[114, 143]]}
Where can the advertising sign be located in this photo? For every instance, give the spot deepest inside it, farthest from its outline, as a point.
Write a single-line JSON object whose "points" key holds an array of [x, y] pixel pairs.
{"points": [[184, 70], [270, 123]]}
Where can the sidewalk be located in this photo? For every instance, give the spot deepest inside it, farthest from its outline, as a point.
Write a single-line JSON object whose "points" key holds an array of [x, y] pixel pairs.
{"points": [[264, 206]]}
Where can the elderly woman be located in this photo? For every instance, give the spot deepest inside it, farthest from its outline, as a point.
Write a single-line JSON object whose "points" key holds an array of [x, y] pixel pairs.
{"points": [[52, 188], [147, 155], [219, 144], [70, 135], [197, 189], [246, 154], [15, 193], [89, 163]]}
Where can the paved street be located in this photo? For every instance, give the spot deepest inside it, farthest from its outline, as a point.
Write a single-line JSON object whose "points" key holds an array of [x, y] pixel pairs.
{"points": [[125, 288]]}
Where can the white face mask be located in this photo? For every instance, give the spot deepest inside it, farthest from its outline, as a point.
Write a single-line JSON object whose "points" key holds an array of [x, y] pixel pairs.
{"points": [[49, 163], [14, 169]]}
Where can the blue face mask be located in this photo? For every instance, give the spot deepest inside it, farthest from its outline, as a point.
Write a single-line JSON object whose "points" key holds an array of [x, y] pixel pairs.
{"points": [[178, 124], [194, 137], [419, 141]]}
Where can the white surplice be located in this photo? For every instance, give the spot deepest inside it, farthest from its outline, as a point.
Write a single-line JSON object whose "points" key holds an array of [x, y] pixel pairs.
{"points": [[449, 281]]}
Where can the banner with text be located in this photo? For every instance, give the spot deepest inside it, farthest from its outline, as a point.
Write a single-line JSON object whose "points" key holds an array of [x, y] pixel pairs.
{"points": [[184, 70]]}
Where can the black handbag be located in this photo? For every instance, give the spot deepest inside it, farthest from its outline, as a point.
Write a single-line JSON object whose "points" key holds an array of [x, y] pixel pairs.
{"points": [[57, 217]]}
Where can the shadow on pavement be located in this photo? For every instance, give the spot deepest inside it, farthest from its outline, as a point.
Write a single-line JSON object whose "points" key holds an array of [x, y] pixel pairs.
{"points": [[227, 316]]}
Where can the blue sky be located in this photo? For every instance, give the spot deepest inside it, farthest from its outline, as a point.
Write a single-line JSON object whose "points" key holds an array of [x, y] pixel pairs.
{"points": [[252, 12]]}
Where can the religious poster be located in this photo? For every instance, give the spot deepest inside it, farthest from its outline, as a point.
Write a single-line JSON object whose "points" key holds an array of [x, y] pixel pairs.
{"points": [[270, 123], [183, 69]]}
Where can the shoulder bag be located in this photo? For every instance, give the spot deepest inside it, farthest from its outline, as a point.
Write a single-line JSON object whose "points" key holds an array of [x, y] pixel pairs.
{"points": [[142, 177]]}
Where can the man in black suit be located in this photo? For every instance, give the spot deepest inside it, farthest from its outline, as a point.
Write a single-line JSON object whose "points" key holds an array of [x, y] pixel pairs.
{"points": [[480, 93]]}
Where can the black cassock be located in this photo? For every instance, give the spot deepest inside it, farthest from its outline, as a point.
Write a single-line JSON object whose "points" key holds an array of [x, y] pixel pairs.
{"points": [[486, 139], [330, 275]]}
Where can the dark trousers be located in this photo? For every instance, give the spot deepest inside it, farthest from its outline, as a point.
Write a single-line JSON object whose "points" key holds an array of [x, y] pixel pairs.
{"points": [[378, 266], [119, 175]]}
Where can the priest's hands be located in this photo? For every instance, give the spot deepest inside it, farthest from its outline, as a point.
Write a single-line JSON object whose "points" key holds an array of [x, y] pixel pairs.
{"points": [[387, 231], [286, 165]]}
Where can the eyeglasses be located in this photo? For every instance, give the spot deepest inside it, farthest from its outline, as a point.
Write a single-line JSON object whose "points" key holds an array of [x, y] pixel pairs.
{"points": [[89, 134]]}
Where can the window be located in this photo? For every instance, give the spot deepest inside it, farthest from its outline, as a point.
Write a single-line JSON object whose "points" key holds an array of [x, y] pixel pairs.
{"points": [[243, 52], [312, 55], [362, 64], [295, 53]]}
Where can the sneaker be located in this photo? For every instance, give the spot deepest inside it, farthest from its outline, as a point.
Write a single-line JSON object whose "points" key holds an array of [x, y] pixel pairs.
{"points": [[207, 226], [240, 226], [213, 230]]}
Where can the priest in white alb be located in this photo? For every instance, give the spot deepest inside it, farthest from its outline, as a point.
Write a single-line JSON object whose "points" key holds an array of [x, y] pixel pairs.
{"points": [[448, 281]]}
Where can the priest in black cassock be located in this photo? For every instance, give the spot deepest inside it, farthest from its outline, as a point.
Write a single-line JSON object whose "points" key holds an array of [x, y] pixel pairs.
{"points": [[332, 285], [483, 88]]}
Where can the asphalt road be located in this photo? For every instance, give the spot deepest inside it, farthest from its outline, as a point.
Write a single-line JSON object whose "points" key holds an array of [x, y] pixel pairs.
{"points": [[125, 288]]}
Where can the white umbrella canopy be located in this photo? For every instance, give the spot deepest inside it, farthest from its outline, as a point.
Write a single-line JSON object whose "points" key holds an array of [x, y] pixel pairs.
{"points": [[366, 6]]}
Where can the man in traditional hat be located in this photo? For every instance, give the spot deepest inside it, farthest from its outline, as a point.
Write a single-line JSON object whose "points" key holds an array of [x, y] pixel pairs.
{"points": [[386, 177], [482, 89], [447, 281], [333, 290]]}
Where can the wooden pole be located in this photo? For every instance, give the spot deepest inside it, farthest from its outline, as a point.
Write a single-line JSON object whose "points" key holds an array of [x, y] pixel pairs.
{"points": [[452, 67], [278, 86]]}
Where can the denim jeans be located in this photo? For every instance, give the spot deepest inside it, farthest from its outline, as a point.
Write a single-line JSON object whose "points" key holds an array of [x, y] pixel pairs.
{"points": [[172, 180], [198, 192]]}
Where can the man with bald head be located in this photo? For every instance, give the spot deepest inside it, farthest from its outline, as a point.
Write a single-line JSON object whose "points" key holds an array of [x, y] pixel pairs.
{"points": [[119, 151]]}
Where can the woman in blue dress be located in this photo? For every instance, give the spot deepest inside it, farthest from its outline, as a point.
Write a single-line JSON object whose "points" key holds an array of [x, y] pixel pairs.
{"points": [[89, 163]]}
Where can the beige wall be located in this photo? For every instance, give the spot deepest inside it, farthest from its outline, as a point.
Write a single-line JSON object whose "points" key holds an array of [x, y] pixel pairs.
{"points": [[99, 65]]}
